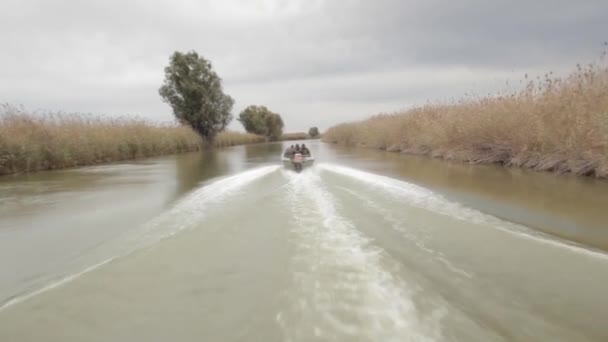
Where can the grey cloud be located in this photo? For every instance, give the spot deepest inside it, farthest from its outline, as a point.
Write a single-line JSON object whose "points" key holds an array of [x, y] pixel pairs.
{"points": [[332, 57]]}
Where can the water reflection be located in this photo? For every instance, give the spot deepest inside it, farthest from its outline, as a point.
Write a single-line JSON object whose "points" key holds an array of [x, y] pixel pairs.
{"points": [[263, 153], [193, 168], [25, 194]]}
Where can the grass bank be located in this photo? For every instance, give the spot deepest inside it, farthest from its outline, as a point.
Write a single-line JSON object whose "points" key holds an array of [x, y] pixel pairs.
{"points": [[553, 124], [31, 142]]}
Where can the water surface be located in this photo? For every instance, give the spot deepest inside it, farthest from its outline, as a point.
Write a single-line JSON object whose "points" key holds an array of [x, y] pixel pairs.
{"points": [[364, 246]]}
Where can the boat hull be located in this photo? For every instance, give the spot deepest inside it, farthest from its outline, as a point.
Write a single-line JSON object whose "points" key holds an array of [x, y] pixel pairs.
{"points": [[290, 165]]}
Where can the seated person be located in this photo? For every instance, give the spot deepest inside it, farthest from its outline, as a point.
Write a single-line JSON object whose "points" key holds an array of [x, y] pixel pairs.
{"points": [[289, 152], [305, 151]]}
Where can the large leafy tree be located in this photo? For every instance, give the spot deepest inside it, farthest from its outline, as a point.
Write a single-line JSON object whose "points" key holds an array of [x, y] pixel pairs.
{"points": [[260, 120], [195, 93], [313, 132]]}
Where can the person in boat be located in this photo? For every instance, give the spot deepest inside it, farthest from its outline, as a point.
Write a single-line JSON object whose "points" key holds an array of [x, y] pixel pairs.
{"points": [[297, 160], [298, 150], [289, 152], [305, 151]]}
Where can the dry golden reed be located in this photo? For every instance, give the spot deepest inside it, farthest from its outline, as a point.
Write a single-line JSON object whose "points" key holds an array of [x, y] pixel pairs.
{"points": [[553, 124], [230, 138], [295, 136], [33, 142]]}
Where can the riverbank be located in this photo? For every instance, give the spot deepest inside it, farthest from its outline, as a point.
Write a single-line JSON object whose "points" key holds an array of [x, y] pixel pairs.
{"points": [[31, 142], [557, 125]]}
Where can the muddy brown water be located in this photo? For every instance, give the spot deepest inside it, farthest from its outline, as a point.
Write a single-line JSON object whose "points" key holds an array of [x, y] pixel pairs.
{"points": [[363, 246]]}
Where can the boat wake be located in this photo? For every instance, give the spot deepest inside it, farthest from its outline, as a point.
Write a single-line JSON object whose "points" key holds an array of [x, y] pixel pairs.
{"points": [[419, 197], [340, 288], [368, 257]]}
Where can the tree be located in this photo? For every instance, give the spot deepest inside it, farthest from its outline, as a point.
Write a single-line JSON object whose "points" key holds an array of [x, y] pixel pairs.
{"points": [[260, 120], [313, 132], [195, 93]]}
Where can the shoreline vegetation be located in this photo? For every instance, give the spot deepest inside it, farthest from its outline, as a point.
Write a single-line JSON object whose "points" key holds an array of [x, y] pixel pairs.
{"points": [[296, 136], [554, 124], [36, 142]]}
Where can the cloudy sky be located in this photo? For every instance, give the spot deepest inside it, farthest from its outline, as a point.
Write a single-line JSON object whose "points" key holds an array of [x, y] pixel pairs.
{"points": [[315, 62]]}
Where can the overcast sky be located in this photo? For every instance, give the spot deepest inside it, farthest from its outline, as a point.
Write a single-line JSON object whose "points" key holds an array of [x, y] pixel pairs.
{"points": [[315, 62]]}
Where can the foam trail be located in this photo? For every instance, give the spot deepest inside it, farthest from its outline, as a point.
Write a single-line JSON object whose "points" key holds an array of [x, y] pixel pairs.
{"points": [[340, 288], [58, 283], [186, 212], [194, 207], [397, 225], [424, 198]]}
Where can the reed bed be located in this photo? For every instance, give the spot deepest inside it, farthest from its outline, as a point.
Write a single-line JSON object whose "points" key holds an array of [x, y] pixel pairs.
{"points": [[34, 142], [295, 136], [553, 124], [230, 138]]}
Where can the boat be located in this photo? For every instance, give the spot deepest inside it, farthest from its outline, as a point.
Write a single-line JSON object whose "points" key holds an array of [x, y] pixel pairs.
{"points": [[297, 162]]}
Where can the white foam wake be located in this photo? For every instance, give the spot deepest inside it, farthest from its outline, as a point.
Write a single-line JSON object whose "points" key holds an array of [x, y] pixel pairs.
{"points": [[420, 197], [52, 285], [415, 238], [340, 289], [182, 215], [195, 206]]}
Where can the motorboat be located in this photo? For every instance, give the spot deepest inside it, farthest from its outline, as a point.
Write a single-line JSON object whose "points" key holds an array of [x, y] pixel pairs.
{"points": [[297, 161]]}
